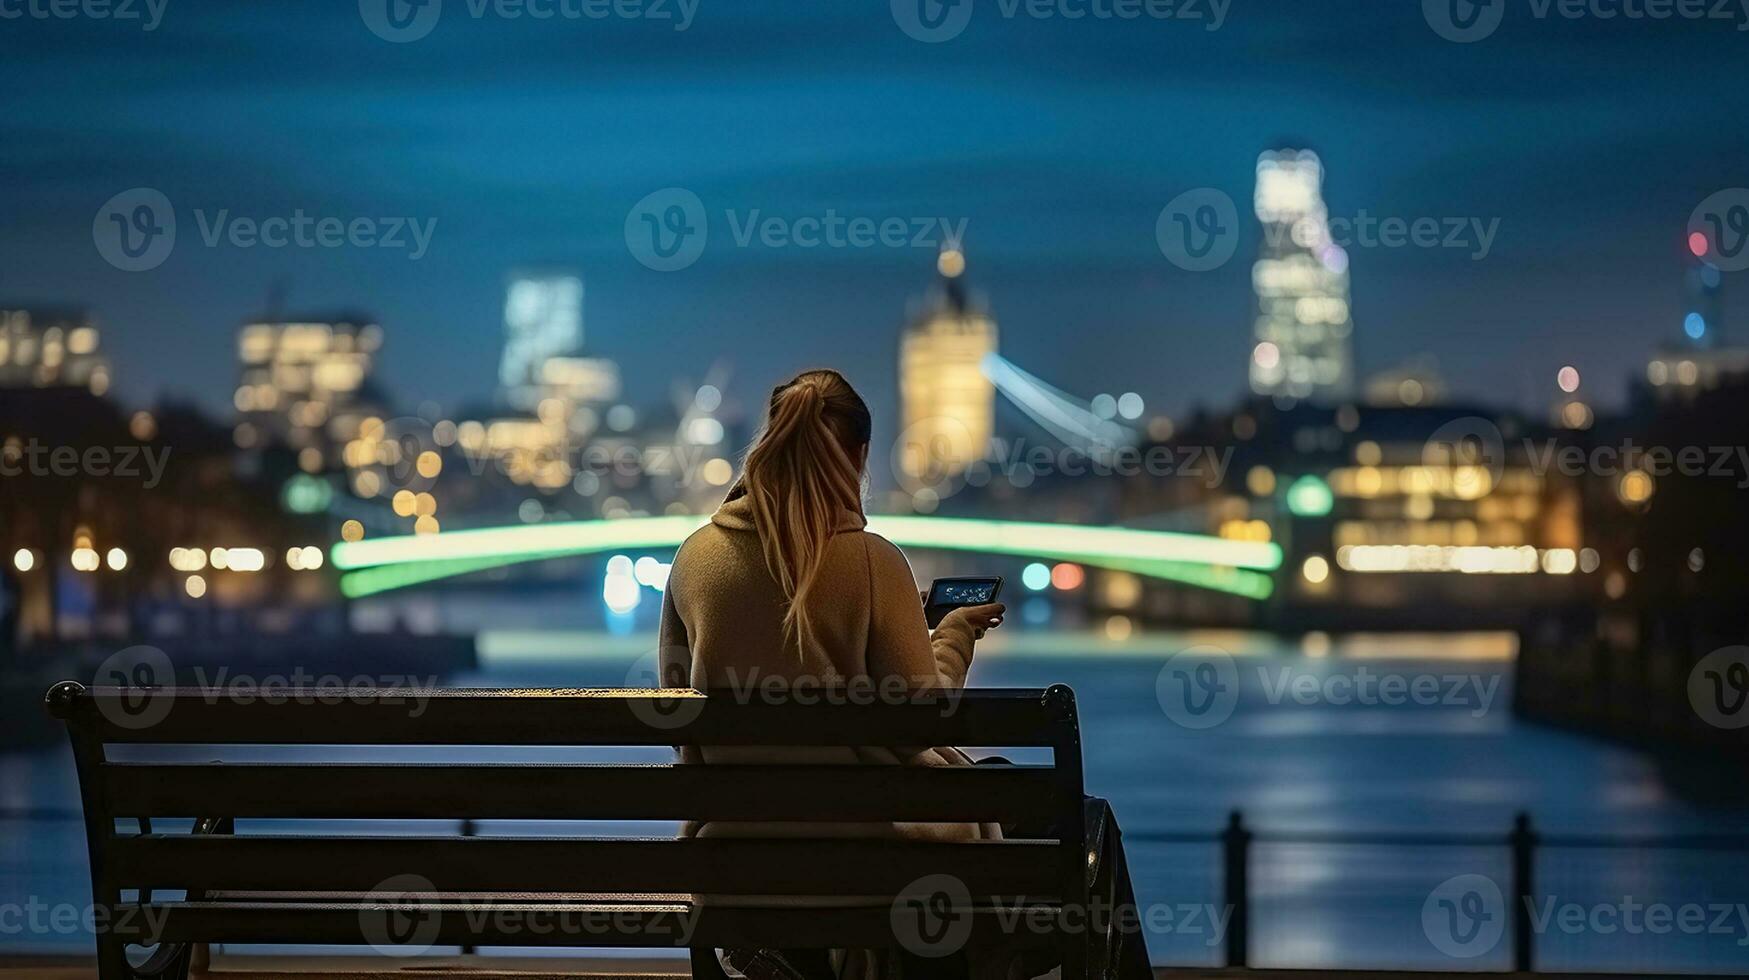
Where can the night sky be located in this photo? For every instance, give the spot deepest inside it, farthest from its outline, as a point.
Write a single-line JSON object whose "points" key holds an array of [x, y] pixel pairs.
{"points": [[1057, 141]]}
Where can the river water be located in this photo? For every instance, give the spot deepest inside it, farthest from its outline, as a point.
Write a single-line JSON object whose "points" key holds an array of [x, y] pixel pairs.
{"points": [[1356, 734]]}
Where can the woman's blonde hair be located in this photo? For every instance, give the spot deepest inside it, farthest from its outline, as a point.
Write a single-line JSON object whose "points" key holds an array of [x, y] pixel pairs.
{"points": [[803, 471]]}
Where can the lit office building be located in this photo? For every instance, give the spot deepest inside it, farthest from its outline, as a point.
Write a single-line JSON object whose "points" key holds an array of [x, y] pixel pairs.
{"points": [[50, 349], [1303, 326], [543, 320], [948, 403], [304, 383], [558, 399]]}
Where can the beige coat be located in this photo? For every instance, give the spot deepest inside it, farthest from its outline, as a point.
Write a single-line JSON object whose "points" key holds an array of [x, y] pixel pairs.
{"points": [[722, 627]]}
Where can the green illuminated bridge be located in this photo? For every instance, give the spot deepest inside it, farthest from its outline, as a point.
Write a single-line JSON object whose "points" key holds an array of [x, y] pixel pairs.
{"points": [[1237, 567]]}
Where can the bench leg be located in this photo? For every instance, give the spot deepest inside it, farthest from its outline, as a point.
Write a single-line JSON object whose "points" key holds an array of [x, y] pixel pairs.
{"points": [[112, 959], [705, 965]]}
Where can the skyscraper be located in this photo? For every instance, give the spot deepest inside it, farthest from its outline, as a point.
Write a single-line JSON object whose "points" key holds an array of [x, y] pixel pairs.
{"points": [[1303, 328], [948, 404], [543, 319]]}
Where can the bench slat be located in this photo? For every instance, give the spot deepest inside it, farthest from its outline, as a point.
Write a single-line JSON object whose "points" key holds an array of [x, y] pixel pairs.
{"points": [[523, 864], [585, 792], [995, 717], [646, 925]]}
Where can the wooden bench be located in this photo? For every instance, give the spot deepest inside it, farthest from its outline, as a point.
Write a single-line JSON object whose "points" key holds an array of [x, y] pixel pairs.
{"points": [[406, 890]]}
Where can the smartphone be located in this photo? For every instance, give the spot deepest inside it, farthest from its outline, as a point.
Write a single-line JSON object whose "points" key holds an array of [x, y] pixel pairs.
{"points": [[947, 594]]}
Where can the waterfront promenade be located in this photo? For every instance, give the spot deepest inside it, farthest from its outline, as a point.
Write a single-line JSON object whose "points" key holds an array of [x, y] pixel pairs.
{"points": [[546, 968]]}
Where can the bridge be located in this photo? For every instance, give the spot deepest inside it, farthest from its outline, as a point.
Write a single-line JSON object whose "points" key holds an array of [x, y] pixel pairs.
{"points": [[1236, 567]]}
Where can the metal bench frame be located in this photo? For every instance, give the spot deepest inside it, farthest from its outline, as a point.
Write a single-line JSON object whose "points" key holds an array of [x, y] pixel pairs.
{"points": [[246, 887]]}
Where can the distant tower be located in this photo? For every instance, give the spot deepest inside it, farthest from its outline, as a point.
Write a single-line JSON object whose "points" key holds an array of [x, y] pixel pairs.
{"points": [[1703, 310], [543, 319], [1303, 326], [948, 404]]}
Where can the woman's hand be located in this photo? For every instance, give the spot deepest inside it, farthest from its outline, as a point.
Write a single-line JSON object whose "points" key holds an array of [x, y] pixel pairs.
{"points": [[980, 618]]}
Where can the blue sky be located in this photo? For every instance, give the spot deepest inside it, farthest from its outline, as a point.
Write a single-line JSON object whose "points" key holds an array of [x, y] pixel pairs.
{"points": [[1057, 141]]}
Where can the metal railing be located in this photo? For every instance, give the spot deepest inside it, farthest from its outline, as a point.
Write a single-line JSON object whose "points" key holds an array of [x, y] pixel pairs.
{"points": [[1522, 842]]}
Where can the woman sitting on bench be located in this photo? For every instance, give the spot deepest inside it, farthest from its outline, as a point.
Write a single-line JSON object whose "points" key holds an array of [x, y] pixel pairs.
{"points": [[786, 583]]}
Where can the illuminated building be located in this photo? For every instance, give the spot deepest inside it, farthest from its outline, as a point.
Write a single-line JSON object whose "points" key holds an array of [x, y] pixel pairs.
{"points": [[543, 319], [948, 404], [1388, 516], [1303, 326], [50, 349], [1699, 360], [304, 381], [556, 396]]}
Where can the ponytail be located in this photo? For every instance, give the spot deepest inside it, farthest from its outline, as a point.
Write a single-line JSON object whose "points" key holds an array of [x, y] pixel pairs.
{"points": [[800, 477]]}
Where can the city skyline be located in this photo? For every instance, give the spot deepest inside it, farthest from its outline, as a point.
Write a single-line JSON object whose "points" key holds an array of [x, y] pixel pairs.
{"points": [[1058, 176]]}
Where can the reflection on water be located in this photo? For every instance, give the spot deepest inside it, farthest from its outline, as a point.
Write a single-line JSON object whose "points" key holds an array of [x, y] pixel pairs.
{"points": [[1303, 751]]}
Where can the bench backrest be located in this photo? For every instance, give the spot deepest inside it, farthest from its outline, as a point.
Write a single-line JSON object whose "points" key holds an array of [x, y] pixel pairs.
{"points": [[1038, 795]]}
